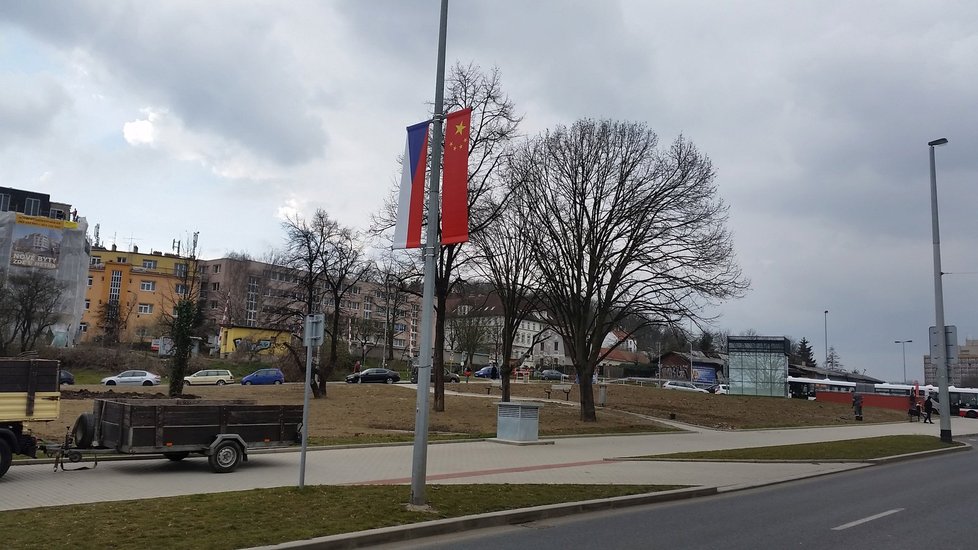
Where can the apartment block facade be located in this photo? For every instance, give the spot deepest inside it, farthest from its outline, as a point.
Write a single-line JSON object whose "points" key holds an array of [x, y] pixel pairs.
{"points": [[129, 291]]}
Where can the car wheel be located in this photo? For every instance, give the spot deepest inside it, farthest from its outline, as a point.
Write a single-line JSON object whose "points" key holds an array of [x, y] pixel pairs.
{"points": [[220, 382], [187, 383], [247, 382], [147, 383], [278, 382], [110, 383], [6, 456], [390, 380], [226, 457], [972, 414], [177, 456], [83, 431]]}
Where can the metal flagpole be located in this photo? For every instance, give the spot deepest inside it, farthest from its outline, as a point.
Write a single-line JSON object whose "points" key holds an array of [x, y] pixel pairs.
{"points": [[419, 466]]}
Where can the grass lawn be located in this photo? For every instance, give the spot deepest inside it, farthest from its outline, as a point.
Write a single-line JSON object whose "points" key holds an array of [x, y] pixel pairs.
{"points": [[271, 516], [849, 449]]}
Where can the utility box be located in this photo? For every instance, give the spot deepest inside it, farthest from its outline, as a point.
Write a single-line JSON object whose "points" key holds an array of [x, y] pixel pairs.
{"points": [[518, 421], [602, 394]]}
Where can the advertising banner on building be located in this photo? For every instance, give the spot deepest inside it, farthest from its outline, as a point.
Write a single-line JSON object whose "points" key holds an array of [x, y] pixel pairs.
{"points": [[37, 242]]}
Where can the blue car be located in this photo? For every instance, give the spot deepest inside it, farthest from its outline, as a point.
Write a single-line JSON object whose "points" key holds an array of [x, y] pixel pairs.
{"points": [[264, 376]]}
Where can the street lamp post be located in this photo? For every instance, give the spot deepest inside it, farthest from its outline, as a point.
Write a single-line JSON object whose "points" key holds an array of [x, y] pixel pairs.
{"points": [[945, 406], [826, 338], [903, 344]]}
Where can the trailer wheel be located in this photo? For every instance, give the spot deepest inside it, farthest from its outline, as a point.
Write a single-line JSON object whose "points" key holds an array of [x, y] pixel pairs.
{"points": [[6, 456], [177, 456], [84, 431], [226, 457]]}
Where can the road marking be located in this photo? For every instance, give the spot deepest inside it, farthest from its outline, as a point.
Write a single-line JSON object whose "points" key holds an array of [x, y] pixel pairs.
{"points": [[865, 520]]}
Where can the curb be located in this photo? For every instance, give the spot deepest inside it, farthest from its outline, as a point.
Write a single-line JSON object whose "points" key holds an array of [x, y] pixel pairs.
{"points": [[402, 533]]}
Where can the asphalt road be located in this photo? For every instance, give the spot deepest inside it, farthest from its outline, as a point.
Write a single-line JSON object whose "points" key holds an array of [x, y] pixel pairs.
{"points": [[924, 503]]}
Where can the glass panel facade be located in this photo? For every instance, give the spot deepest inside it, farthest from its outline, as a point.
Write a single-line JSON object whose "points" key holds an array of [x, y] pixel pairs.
{"points": [[758, 365]]}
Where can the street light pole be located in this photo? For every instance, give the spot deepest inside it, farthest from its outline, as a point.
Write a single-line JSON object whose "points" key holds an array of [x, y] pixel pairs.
{"points": [[826, 338], [903, 344], [945, 405]]}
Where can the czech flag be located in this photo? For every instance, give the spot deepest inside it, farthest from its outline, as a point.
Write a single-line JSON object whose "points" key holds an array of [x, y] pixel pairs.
{"points": [[410, 204]]}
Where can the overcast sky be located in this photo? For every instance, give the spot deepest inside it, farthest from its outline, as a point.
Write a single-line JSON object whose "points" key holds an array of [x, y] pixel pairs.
{"points": [[160, 119]]}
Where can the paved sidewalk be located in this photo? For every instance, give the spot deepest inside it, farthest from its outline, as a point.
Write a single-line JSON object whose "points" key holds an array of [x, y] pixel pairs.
{"points": [[569, 460]]}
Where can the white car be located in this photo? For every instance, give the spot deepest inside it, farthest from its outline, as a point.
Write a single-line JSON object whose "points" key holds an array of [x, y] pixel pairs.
{"points": [[133, 378], [682, 386], [722, 389], [209, 376]]}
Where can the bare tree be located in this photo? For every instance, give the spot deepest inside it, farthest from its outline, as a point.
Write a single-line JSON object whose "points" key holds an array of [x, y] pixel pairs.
{"points": [[469, 331], [29, 306], [505, 260], [306, 249], [366, 334], [182, 322], [626, 230], [112, 318], [344, 265], [393, 272]]}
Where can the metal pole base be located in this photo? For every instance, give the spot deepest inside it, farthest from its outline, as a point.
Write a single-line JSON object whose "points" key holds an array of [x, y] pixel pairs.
{"points": [[946, 436]]}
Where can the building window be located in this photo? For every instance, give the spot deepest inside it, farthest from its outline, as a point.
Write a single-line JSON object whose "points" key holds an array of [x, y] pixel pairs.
{"points": [[88, 304], [213, 304], [115, 286], [555, 346], [204, 268], [217, 268], [148, 286], [83, 327], [145, 308], [32, 207], [398, 342], [149, 264], [121, 259], [180, 289], [251, 302], [355, 290], [89, 280], [180, 270], [96, 260], [215, 286]]}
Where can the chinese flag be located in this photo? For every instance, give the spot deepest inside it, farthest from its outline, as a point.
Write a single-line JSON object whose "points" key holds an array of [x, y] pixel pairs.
{"points": [[455, 190]]}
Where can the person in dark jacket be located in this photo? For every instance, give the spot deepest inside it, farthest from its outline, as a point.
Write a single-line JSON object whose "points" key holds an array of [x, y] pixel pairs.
{"points": [[928, 408]]}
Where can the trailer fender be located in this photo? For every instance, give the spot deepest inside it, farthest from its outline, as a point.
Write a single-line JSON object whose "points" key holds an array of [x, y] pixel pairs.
{"points": [[220, 438]]}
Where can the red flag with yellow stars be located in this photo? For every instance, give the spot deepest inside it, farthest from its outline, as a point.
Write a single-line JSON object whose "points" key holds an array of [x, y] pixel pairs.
{"points": [[455, 189]]}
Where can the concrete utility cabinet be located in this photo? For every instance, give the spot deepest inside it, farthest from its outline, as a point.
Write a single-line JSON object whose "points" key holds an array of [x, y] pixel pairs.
{"points": [[602, 394], [518, 421]]}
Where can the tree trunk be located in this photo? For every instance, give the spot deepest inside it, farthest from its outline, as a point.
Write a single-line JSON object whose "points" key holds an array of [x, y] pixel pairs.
{"points": [[506, 367], [587, 395], [438, 356]]}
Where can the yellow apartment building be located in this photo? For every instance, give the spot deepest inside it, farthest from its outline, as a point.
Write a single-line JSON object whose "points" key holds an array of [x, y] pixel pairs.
{"points": [[128, 292]]}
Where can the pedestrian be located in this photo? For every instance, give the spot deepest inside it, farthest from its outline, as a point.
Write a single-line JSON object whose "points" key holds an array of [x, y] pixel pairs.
{"points": [[356, 366], [857, 405], [928, 409], [468, 373]]}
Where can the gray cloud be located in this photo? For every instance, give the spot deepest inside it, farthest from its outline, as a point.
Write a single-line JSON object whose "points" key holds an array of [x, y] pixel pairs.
{"points": [[29, 106]]}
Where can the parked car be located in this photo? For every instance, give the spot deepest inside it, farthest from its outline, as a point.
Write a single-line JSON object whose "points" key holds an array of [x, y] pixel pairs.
{"points": [[133, 378], [209, 376], [488, 371], [66, 377], [264, 376], [720, 389], [551, 374], [376, 374], [682, 386], [449, 376]]}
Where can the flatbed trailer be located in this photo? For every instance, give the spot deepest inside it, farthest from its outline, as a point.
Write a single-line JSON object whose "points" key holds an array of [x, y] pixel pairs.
{"points": [[224, 431]]}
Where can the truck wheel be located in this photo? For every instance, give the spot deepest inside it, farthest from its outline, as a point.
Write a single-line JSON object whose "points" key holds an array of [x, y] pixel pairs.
{"points": [[177, 456], [6, 456], [226, 457], [84, 431]]}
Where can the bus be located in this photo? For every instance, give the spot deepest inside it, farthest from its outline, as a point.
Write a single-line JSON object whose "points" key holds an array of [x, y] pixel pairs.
{"points": [[963, 401]]}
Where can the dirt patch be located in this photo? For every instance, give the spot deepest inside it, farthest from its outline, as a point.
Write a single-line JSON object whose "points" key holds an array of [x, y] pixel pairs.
{"points": [[358, 410], [112, 394]]}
